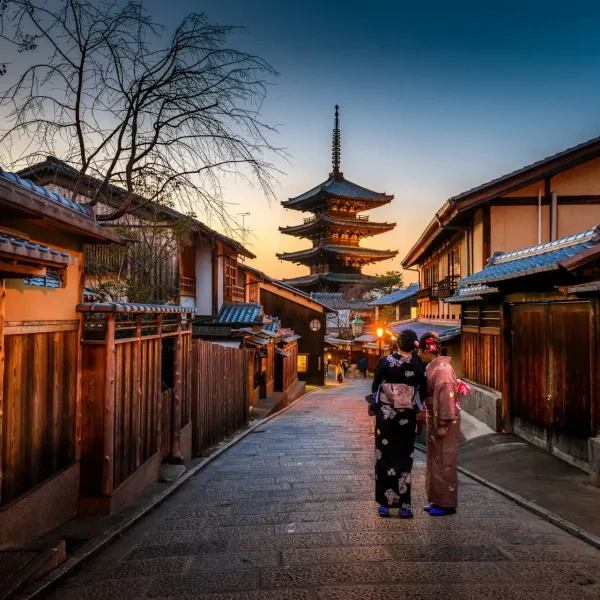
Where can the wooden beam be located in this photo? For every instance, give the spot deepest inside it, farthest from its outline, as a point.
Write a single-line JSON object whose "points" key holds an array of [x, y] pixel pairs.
{"points": [[487, 234], [2, 302], [17, 270], [506, 373], [109, 407], [137, 389]]}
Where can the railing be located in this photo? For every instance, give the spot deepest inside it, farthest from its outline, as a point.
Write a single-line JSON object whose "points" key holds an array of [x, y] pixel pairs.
{"points": [[428, 293], [187, 286], [234, 293], [339, 214], [448, 286]]}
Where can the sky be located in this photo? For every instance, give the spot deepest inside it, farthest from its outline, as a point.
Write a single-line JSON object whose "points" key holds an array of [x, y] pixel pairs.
{"points": [[435, 98]]}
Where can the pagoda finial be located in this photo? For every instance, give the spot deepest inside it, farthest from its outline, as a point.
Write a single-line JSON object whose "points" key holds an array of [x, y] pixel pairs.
{"points": [[335, 154]]}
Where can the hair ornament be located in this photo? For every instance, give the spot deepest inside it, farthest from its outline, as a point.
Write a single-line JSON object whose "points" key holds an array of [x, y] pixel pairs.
{"points": [[417, 345], [432, 346]]}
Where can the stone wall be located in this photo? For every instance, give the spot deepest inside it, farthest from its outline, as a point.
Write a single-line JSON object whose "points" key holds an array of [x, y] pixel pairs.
{"points": [[485, 404]]}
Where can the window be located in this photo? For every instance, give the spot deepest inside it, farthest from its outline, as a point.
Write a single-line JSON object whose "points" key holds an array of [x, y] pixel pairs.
{"points": [[477, 318], [431, 275], [315, 324], [302, 363], [454, 262], [52, 279]]}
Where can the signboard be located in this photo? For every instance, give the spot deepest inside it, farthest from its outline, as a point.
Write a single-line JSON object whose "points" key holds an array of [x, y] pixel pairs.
{"points": [[263, 352]]}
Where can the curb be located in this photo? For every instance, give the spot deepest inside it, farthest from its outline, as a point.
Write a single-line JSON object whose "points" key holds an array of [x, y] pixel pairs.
{"points": [[96, 545], [536, 509]]}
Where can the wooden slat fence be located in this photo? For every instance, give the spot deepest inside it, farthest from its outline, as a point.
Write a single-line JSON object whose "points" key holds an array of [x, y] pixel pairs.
{"points": [[220, 393], [39, 408], [290, 365], [481, 359], [166, 421]]}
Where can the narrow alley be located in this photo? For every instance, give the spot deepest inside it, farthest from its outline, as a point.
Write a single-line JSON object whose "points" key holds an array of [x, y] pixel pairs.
{"points": [[288, 514]]}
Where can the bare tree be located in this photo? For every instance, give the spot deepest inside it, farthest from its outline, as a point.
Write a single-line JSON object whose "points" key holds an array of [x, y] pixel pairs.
{"points": [[160, 117]]}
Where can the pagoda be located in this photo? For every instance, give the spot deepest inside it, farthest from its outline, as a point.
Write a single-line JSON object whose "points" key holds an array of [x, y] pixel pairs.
{"points": [[335, 229]]}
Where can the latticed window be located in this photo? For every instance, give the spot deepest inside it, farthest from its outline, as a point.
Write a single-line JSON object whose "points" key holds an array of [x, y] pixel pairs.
{"points": [[431, 275], [230, 271], [454, 262], [302, 363]]}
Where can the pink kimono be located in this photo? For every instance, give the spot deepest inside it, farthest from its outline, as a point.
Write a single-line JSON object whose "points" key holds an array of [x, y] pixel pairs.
{"points": [[442, 453]]}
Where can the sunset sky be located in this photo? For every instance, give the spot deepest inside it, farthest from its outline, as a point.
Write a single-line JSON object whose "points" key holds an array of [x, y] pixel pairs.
{"points": [[435, 98]]}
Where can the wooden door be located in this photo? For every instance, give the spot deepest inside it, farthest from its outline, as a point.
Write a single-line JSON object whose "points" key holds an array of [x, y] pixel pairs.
{"points": [[530, 346], [570, 378], [551, 375]]}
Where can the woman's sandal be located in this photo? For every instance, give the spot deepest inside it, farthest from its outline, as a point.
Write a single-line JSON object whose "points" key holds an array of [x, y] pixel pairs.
{"points": [[429, 507], [405, 513], [383, 512], [441, 512]]}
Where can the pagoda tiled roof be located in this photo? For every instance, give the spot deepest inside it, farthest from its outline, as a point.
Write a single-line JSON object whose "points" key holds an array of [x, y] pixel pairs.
{"points": [[397, 296], [329, 278], [328, 219], [339, 250], [338, 187]]}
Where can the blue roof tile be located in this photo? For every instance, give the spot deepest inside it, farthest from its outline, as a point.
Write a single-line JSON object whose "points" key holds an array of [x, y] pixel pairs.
{"points": [[248, 313], [397, 296], [28, 184], [536, 259]]}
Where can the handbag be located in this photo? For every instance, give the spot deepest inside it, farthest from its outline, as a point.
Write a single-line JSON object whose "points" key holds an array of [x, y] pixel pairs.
{"points": [[372, 401]]}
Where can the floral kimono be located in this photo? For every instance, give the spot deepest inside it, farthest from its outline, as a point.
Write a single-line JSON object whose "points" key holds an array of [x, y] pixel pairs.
{"points": [[442, 453], [395, 432]]}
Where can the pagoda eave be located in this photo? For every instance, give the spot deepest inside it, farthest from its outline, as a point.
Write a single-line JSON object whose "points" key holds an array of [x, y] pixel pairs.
{"points": [[366, 228], [342, 252], [329, 279], [317, 201]]}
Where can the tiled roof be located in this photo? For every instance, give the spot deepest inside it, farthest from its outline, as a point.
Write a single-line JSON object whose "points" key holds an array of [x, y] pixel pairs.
{"points": [[272, 327], [328, 219], [343, 250], [446, 331], [365, 338], [89, 296], [53, 196], [582, 288], [337, 278], [249, 313], [397, 296], [471, 293], [20, 247], [132, 307], [340, 188], [336, 301], [536, 259]]}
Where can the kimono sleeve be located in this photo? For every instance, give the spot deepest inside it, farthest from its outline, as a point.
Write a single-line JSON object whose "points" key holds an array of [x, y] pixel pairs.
{"points": [[445, 394], [379, 375]]}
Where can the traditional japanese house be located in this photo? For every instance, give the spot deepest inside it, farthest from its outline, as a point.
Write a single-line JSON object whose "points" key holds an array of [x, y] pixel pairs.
{"points": [[403, 302], [545, 201], [42, 237], [336, 229], [531, 342], [305, 315], [343, 312]]}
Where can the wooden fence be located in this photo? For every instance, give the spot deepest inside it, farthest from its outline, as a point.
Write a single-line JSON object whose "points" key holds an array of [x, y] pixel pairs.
{"points": [[135, 390], [220, 393], [481, 358], [39, 401]]}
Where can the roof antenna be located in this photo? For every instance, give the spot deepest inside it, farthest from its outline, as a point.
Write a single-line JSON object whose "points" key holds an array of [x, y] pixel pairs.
{"points": [[335, 153]]}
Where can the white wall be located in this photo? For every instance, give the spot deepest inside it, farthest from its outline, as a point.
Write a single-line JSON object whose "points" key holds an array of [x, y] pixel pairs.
{"points": [[204, 280]]}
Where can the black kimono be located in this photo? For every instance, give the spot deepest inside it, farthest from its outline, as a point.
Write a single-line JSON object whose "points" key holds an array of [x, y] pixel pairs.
{"points": [[395, 431]]}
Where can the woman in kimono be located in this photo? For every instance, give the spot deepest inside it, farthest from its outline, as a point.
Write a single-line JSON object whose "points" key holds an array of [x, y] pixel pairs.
{"points": [[443, 428], [395, 427]]}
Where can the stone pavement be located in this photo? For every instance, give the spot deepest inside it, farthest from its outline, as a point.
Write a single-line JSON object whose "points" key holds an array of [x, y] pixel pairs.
{"points": [[288, 514]]}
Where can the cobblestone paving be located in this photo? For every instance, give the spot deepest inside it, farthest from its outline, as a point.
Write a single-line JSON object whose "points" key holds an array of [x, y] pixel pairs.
{"points": [[288, 514]]}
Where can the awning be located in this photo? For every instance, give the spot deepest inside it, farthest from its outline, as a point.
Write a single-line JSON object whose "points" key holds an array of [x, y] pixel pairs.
{"points": [[291, 338], [269, 333], [283, 352], [257, 341]]}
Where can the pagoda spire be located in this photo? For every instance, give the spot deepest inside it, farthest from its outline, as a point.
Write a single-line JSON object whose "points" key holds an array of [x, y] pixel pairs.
{"points": [[336, 145]]}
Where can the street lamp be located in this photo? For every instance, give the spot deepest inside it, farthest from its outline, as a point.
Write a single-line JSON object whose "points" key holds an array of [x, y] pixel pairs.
{"points": [[380, 340]]}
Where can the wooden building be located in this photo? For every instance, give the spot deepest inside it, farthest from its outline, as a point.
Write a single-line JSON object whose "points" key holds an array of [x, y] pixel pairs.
{"points": [[547, 200], [531, 342], [42, 236], [403, 301]]}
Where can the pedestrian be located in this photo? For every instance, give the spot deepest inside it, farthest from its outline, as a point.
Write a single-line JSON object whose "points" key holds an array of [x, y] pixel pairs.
{"points": [[339, 374], [442, 418], [400, 380], [362, 366], [345, 367]]}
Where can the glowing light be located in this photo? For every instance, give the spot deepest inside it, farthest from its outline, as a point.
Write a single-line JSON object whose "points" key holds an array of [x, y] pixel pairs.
{"points": [[380, 333]]}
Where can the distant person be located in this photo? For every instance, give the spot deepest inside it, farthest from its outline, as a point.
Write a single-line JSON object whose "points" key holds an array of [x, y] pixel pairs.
{"points": [[339, 374], [443, 428], [400, 381], [345, 367], [362, 366]]}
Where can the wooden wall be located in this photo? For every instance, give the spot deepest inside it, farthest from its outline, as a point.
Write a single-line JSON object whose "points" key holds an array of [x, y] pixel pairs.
{"points": [[39, 404], [220, 393], [481, 359]]}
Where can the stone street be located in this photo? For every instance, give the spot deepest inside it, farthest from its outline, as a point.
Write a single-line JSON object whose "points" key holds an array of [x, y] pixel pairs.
{"points": [[288, 514]]}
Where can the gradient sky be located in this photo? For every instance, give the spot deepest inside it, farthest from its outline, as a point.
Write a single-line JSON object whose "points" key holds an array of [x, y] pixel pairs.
{"points": [[435, 98]]}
